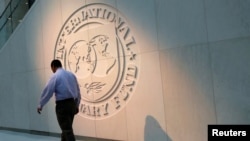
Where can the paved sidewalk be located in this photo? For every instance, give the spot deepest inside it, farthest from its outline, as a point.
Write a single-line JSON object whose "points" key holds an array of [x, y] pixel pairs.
{"points": [[9, 135], [18, 136]]}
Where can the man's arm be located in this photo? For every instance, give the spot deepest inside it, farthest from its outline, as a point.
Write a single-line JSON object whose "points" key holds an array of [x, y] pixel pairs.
{"points": [[47, 93]]}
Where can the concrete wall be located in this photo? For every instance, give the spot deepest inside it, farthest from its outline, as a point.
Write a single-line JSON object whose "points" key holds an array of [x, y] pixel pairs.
{"points": [[190, 68]]}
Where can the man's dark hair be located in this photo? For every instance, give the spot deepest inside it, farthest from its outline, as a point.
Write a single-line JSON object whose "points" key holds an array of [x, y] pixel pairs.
{"points": [[56, 63]]}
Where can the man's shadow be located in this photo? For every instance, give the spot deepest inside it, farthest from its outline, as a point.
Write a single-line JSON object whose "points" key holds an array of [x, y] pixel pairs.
{"points": [[153, 131]]}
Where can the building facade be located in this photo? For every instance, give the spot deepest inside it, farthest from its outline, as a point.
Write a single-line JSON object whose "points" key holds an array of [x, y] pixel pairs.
{"points": [[159, 70]]}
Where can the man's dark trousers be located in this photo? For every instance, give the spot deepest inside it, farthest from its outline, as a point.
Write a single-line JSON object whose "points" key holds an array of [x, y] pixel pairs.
{"points": [[65, 112]]}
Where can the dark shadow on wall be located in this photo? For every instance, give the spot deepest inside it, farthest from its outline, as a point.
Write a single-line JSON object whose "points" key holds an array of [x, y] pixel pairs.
{"points": [[30, 3], [153, 131]]}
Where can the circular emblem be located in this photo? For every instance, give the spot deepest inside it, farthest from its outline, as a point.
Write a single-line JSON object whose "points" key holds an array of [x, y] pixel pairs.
{"points": [[97, 44]]}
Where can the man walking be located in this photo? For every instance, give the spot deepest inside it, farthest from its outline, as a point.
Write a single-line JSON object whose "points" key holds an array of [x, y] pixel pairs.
{"points": [[67, 94]]}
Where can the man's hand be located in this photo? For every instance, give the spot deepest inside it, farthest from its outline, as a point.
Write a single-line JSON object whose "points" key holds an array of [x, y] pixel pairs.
{"points": [[39, 109]]}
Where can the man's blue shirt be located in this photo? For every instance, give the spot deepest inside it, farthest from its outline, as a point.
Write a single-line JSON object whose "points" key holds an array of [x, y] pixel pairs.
{"points": [[63, 84]]}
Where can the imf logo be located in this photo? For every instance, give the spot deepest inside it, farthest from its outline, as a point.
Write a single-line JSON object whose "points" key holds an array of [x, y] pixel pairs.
{"points": [[97, 44]]}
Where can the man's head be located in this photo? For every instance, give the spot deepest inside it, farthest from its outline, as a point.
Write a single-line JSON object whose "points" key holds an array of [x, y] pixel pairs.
{"points": [[55, 64]]}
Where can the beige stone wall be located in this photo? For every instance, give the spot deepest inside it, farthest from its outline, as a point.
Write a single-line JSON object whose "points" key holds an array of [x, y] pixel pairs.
{"points": [[181, 65]]}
